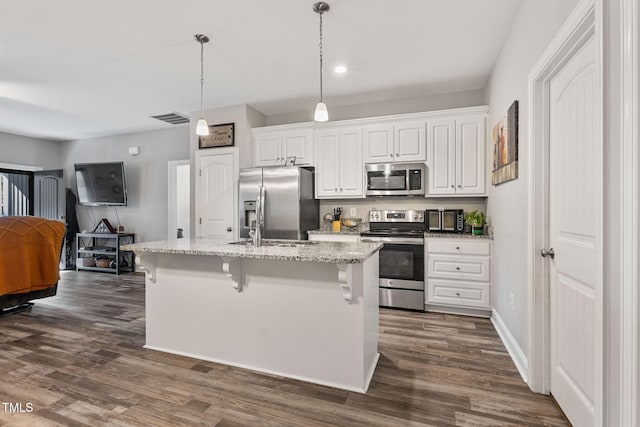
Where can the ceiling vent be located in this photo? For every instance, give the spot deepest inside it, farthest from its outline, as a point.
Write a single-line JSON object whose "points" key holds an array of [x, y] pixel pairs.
{"points": [[172, 118]]}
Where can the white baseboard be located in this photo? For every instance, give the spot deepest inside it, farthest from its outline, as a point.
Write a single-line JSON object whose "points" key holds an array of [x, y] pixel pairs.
{"points": [[516, 353]]}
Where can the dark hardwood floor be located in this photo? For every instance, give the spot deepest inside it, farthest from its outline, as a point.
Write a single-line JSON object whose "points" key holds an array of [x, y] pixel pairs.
{"points": [[77, 359]]}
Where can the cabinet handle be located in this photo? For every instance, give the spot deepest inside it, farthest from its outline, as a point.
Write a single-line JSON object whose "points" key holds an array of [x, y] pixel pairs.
{"points": [[453, 186], [390, 154], [397, 154], [459, 186], [458, 293], [335, 189], [458, 268], [229, 229], [458, 247], [341, 189]]}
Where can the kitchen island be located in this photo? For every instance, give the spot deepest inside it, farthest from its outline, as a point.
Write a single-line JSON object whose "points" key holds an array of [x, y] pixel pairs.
{"points": [[298, 309]]}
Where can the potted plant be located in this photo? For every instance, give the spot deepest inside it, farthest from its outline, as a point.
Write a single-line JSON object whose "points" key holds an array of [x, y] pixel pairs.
{"points": [[476, 220]]}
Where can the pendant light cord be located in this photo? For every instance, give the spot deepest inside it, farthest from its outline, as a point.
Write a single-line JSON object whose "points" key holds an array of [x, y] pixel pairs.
{"points": [[321, 99], [201, 78]]}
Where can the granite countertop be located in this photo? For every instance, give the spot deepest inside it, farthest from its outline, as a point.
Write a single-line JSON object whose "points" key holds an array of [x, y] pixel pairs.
{"points": [[285, 250], [344, 230], [429, 235]]}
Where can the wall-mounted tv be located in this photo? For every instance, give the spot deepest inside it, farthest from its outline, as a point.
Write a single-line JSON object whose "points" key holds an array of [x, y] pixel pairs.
{"points": [[101, 184]]}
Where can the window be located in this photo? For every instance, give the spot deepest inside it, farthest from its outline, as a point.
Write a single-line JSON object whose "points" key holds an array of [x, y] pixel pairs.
{"points": [[16, 192]]}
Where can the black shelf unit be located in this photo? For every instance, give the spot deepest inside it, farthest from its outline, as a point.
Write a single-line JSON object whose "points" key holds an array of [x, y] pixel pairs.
{"points": [[106, 245]]}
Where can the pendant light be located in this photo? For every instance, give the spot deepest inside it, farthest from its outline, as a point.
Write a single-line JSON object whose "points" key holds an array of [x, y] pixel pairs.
{"points": [[202, 128], [321, 113]]}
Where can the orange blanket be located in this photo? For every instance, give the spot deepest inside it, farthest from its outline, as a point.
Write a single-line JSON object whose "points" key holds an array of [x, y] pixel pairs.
{"points": [[29, 253]]}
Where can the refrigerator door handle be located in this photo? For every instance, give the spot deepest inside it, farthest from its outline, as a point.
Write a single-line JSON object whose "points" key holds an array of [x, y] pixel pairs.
{"points": [[260, 206]]}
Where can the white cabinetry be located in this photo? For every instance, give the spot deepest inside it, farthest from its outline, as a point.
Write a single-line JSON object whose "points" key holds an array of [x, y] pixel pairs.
{"points": [[456, 156], [273, 145], [339, 166], [458, 275], [402, 141]]}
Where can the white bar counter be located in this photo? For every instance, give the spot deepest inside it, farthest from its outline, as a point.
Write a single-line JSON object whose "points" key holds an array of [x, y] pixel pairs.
{"points": [[298, 309]]}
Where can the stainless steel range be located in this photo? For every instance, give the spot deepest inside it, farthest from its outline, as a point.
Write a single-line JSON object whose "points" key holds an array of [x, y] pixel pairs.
{"points": [[401, 257]]}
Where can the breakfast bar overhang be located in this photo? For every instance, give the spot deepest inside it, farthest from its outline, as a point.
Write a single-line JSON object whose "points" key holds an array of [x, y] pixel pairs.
{"points": [[298, 309]]}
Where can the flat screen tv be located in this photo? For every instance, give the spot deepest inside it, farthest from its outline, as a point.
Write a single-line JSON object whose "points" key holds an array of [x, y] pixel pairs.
{"points": [[101, 184]]}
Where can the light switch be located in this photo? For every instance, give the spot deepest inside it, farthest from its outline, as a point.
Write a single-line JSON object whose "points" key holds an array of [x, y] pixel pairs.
{"points": [[134, 151], [352, 212]]}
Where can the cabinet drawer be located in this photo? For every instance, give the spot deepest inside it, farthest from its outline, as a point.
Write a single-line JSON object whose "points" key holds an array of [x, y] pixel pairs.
{"points": [[463, 247], [459, 267], [477, 295]]}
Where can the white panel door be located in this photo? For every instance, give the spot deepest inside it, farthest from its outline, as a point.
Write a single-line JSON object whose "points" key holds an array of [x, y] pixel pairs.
{"points": [[297, 144], [378, 144], [268, 150], [215, 196], [410, 145], [327, 164], [574, 236], [49, 195], [441, 161], [470, 156], [351, 166]]}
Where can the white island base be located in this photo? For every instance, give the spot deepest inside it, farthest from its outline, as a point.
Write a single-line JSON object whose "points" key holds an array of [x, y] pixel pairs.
{"points": [[311, 321]]}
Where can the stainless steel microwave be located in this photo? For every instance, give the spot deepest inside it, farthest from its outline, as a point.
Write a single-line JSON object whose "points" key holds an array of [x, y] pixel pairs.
{"points": [[395, 179]]}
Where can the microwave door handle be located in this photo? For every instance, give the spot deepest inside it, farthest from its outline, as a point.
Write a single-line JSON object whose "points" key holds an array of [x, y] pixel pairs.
{"points": [[441, 221], [406, 179]]}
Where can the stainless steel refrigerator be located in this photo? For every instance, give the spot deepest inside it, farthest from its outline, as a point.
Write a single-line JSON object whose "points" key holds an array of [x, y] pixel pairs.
{"points": [[290, 209]]}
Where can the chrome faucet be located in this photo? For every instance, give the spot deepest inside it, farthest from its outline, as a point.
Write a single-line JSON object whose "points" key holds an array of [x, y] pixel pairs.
{"points": [[256, 232]]}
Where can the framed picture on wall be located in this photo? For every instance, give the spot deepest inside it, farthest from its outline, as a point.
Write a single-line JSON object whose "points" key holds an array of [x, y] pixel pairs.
{"points": [[505, 147], [219, 136]]}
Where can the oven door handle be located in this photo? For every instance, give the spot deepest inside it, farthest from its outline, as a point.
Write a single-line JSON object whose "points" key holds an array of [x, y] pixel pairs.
{"points": [[396, 240]]}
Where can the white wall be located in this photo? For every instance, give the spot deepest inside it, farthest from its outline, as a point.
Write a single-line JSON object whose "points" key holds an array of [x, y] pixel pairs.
{"points": [[441, 101], [146, 177], [535, 25], [244, 118], [26, 151]]}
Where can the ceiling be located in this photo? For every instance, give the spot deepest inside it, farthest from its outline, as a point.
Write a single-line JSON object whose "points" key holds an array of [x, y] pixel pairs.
{"points": [[76, 69]]}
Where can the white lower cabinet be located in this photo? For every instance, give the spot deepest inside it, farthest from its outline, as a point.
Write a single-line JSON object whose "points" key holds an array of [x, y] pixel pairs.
{"points": [[458, 275]]}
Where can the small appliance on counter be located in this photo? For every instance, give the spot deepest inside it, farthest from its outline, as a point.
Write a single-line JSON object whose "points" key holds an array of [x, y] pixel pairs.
{"points": [[401, 265], [445, 220]]}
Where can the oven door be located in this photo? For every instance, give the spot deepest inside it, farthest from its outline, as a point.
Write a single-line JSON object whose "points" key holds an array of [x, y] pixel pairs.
{"points": [[401, 262]]}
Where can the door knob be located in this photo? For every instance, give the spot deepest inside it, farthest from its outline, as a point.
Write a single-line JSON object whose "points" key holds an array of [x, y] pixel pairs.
{"points": [[550, 253], [229, 229]]}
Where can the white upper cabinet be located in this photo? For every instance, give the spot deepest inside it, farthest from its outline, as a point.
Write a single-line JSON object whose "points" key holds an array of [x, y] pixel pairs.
{"points": [[456, 156], [400, 141], [470, 162], [450, 142], [273, 146], [339, 165]]}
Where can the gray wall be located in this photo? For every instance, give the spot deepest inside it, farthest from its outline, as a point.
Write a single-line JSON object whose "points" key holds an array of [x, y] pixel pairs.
{"points": [[534, 27], [146, 177], [23, 150]]}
